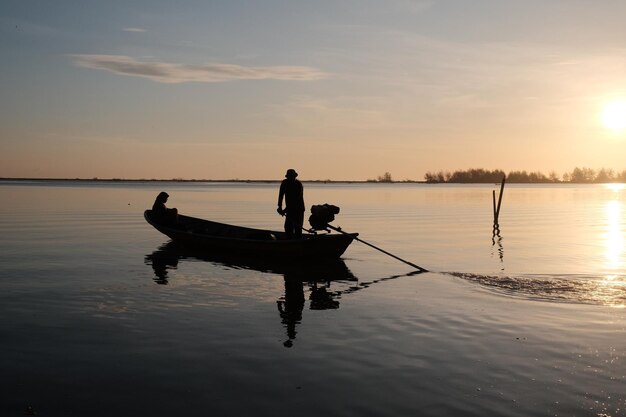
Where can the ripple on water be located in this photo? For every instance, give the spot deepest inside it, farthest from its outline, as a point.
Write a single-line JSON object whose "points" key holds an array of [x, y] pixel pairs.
{"points": [[588, 289]]}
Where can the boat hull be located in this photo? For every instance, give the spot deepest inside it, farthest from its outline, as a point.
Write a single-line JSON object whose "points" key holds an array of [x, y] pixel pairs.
{"points": [[242, 241]]}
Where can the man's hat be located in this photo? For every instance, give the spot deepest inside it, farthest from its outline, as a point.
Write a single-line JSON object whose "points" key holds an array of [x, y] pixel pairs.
{"points": [[291, 173]]}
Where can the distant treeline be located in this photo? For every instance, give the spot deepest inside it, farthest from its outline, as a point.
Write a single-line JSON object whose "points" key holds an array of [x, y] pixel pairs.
{"points": [[578, 175], [386, 177]]}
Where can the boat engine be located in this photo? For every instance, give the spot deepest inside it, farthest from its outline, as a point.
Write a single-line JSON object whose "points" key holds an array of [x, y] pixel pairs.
{"points": [[321, 215]]}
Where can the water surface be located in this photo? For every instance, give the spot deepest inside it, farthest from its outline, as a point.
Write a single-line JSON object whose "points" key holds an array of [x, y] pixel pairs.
{"points": [[101, 316]]}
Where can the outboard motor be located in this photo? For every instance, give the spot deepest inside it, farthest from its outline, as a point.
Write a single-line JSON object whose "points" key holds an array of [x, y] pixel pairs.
{"points": [[321, 215]]}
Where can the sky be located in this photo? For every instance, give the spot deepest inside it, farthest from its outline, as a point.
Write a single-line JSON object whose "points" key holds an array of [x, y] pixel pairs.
{"points": [[341, 89]]}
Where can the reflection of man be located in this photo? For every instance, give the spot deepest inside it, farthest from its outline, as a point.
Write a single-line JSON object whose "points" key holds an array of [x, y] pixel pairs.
{"points": [[290, 309], [293, 192]]}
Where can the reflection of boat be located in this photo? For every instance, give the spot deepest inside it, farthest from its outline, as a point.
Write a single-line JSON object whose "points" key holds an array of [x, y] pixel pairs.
{"points": [[298, 275], [168, 256], [244, 241], [301, 278]]}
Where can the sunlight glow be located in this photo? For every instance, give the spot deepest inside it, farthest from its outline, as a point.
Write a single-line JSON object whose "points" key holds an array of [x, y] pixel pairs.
{"points": [[615, 187], [614, 115]]}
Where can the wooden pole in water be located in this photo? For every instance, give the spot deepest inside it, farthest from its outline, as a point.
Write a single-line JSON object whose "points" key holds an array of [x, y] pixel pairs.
{"points": [[500, 199]]}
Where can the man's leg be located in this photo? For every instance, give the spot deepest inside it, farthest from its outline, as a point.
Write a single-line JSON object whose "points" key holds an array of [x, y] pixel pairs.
{"points": [[298, 221], [288, 227]]}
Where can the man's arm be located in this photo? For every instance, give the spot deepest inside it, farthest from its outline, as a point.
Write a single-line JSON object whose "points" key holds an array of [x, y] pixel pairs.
{"points": [[281, 194]]}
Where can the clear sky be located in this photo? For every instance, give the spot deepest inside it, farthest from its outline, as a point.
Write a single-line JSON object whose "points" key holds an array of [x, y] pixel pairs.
{"points": [[339, 89]]}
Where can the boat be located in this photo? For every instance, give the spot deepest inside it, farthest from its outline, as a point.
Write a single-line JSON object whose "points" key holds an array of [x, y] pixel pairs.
{"points": [[245, 241]]}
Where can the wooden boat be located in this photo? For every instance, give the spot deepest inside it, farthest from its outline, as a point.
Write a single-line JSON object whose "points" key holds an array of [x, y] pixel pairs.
{"points": [[245, 241]]}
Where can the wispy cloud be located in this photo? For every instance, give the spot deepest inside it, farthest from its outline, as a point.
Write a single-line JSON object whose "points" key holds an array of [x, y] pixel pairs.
{"points": [[138, 30], [209, 73]]}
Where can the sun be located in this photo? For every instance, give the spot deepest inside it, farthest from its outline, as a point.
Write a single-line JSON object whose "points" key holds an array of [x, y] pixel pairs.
{"points": [[614, 115]]}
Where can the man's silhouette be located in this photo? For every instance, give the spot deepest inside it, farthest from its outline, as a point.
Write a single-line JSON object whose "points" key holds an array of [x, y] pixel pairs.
{"points": [[293, 192]]}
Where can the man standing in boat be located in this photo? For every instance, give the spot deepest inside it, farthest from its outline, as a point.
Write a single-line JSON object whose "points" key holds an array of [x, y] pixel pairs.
{"points": [[293, 192]]}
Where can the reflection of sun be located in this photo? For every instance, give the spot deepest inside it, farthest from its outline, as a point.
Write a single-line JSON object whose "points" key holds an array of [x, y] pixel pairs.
{"points": [[611, 291], [614, 115], [615, 235], [615, 187]]}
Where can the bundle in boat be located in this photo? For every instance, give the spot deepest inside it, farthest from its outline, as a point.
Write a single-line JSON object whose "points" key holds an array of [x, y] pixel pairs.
{"points": [[321, 215]]}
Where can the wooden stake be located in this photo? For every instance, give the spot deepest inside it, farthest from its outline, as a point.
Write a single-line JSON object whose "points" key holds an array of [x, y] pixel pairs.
{"points": [[500, 200]]}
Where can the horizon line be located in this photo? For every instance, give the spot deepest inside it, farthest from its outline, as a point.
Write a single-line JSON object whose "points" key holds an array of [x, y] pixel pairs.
{"points": [[272, 181], [95, 179]]}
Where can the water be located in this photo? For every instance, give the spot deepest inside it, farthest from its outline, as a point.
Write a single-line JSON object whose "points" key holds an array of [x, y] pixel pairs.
{"points": [[101, 317]]}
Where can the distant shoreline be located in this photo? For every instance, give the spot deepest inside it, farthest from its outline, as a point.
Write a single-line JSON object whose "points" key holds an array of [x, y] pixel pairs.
{"points": [[276, 181], [204, 180]]}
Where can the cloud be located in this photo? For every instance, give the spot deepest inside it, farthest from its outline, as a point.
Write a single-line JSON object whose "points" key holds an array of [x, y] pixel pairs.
{"points": [[138, 30], [208, 73]]}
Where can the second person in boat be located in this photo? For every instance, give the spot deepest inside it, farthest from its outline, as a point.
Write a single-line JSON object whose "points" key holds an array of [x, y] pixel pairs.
{"points": [[292, 192], [162, 213]]}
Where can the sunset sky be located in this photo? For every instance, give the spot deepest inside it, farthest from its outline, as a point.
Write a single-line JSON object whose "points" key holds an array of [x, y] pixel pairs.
{"points": [[336, 89]]}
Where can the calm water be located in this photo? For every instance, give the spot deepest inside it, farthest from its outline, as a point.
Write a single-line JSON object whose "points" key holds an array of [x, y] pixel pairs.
{"points": [[101, 317]]}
